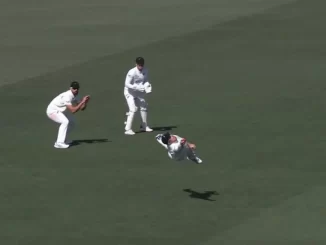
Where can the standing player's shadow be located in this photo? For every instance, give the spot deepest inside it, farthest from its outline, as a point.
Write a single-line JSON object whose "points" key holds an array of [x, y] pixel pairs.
{"points": [[89, 141], [161, 128], [201, 195]]}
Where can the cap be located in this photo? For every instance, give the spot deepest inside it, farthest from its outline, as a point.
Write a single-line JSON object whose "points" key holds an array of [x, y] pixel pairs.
{"points": [[165, 138], [75, 85], [140, 61]]}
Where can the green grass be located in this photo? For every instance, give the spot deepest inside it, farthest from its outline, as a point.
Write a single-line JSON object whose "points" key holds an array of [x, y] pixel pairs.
{"points": [[248, 92]]}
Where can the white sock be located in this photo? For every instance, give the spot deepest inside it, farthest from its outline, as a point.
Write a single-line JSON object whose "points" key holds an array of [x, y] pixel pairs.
{"points": [[143, 115], [130, 120]]}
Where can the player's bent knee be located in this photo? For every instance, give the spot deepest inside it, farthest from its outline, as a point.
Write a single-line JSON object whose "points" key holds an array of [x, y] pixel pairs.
{"points": [[143, 109], [65, 121], [133, 110]]}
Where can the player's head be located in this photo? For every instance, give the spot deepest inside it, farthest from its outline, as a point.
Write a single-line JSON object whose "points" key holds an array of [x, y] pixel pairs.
{"points": [[74, 87], [140, 62], [166, 138]]}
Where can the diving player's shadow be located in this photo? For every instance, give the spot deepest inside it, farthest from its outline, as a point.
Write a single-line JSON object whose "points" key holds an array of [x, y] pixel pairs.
{"points": [[201, 195], [89, 141]]}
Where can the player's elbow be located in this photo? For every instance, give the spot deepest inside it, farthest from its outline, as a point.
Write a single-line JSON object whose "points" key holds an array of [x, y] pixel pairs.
{"points": [[128, 83], [72, 109]]}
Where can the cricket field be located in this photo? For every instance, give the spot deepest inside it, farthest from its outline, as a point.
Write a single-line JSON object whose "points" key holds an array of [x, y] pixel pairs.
{"points": [[242, 79]]}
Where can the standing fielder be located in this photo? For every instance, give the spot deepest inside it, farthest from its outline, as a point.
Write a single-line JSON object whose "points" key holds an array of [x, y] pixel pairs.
{"points": [[136, 87], [178, 148], [57, 112]]}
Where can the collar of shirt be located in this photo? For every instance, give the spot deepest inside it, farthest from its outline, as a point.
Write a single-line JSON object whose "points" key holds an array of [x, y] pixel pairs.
{"points": [[143, 71], [71, 93]]}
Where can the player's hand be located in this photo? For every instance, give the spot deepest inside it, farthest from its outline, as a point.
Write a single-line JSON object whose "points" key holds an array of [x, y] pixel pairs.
{"points": [[192, 146], [85, 99], [141, 89]]}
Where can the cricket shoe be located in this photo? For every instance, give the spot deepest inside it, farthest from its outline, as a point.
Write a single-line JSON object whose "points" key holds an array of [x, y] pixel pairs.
{"points": [[146, 129], [198, 160], [129, 132], [61, 145]]}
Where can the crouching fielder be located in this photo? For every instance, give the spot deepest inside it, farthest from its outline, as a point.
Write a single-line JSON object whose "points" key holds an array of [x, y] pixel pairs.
{"points": [[61, 110], [135, 89], [178, 148]]}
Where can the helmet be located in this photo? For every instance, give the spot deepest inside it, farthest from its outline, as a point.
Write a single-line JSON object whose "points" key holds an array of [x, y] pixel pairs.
{"points": [[165, 138]]}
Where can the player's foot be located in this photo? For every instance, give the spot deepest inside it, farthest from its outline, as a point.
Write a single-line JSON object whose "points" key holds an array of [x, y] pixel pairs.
{"points": [[198, 160], [61, 145], [146, 129], [129, 132]]}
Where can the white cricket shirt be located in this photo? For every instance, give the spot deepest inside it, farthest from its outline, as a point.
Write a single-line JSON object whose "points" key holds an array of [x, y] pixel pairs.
{"points": [[60, 102], [135, 78], [176, 150]]}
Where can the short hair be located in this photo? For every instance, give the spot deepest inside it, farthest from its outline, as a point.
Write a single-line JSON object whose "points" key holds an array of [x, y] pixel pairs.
{"points": [[140, 61]]}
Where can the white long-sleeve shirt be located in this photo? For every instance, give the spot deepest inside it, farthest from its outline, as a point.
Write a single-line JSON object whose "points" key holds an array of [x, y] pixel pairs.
{"points": [[60, 102], [136, 79], [176, 150]]}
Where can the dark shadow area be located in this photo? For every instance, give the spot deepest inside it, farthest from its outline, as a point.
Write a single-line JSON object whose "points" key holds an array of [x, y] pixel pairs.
{"points": [[89, 141], [161, 128], [164, 128], [201, 195]]}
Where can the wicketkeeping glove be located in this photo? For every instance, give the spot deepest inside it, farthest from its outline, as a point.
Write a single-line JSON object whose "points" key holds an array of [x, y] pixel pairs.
{"points": [[148, 87]]}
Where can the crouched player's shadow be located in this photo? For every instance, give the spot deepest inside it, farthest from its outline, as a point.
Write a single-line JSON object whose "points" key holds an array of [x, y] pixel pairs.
{"points": [[201, 195], [89, 141]]}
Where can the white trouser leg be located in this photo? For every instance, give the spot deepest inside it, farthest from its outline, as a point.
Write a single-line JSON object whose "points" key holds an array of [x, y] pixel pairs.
{"points": [[71, 123], [131, 101], [191, 155], [60, 118], [170, 156], [143, 115], [143, 111]]}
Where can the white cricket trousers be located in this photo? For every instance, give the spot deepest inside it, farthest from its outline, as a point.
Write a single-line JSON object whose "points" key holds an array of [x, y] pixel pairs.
{"points": [[66, 121], [184, 154], [134, 102]]}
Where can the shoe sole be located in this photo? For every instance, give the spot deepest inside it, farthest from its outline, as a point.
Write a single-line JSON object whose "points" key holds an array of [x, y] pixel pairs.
{"points": [[59, 147], [129, 133]]}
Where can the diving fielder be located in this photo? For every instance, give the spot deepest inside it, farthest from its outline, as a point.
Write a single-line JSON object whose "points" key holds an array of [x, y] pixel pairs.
{"points": [[61, 110], [136, 87], [178, 148]]}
